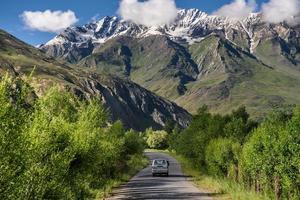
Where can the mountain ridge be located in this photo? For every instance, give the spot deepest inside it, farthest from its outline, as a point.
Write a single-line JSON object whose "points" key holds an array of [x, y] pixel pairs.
{"points": [[135, 106], [185, 27], [198, 59]]}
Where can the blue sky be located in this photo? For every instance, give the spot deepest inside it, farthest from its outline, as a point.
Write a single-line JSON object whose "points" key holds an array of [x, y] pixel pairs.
{"points": [[10, 11]]}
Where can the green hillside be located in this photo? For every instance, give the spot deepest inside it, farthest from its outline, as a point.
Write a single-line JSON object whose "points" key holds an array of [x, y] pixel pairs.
{"points": [[214, 71], [135, 106]]}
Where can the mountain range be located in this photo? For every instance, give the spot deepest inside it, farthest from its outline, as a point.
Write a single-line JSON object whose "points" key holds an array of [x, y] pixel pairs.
{"points": [[198, 59], [138, 71], [135, 106]]}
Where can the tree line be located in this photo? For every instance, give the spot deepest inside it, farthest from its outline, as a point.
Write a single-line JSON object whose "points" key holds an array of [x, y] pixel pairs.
{"points": [[58, 147], [264, 157]]}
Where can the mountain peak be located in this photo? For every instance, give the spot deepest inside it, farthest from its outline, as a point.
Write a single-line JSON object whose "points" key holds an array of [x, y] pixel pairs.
{"points": [[190, 26], [183, 27]]}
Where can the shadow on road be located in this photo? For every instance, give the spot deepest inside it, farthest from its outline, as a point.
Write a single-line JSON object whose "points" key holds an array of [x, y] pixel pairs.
{"points": [[175, 186], [158, 188], [171, 176]]}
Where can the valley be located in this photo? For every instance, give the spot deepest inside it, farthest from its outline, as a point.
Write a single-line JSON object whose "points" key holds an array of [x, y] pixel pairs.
{"points": [[197, 60], [215, 97]]}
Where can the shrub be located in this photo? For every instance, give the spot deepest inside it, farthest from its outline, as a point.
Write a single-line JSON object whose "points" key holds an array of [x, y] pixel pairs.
{"points": [[221, 156], [58, 147], [157, 139], [192, 141], [271, 156], [134, 143], [15, 114], [236, 128]]}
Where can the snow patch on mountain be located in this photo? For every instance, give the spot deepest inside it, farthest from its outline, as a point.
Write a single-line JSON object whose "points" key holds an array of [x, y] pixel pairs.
{"points": [[191, 25]]}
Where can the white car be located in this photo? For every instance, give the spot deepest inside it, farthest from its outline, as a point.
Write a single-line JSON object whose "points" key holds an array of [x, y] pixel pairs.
{"points": [[160, 167]]}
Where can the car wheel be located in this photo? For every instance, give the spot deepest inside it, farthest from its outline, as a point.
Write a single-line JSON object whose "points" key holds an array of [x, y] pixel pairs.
{"points": [[153, 175]]}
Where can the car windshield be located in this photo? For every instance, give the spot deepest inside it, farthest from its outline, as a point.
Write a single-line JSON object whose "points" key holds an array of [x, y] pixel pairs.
{"points": [[160, 162]]}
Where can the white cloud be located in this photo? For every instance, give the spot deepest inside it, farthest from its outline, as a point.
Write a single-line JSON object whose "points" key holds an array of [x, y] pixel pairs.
{"points": [[238, 9], [276, 11], [49, 21], [148, 13]]}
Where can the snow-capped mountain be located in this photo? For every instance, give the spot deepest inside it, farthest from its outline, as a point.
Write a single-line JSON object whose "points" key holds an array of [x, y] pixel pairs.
{"points": [[187, 25], [198, 59], [190, 26]]}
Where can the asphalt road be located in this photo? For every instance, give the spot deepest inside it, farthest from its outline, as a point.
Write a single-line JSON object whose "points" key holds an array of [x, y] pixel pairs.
{"points": [[144, 186]]}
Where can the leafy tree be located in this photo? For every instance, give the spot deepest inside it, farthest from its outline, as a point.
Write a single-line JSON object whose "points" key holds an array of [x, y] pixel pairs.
{"points": [[169, 126], [222, 157], [157, 140], [58, 147], [50, 150], [241, 113], [192, 142], [134, 143], [236, 129], [271, 156], [173, 138], [15, 111]]}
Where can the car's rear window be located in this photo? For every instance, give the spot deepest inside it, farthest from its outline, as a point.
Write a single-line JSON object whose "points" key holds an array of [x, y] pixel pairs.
{"points": [[160, 162]]}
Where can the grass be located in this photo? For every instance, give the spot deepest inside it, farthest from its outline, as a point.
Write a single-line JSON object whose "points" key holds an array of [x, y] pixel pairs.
{"points": [[223, 188], [137, 163]]}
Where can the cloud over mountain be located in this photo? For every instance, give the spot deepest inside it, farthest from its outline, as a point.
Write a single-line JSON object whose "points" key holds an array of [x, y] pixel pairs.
{"points": [[238, 9], [276, 11], [49, 21], [148, 13]]}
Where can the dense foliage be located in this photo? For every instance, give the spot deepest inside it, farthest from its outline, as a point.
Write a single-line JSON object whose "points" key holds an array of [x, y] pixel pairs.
{"points": [[58, 147], [265, 157], [156, 139], [271, 157]]}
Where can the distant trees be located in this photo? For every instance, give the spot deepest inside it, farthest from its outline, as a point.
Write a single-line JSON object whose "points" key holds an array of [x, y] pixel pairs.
{"points": [[58, 147], [265, 157], [157, 139], [193, 141]]}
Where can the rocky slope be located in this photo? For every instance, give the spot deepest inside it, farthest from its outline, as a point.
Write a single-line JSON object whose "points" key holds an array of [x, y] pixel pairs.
{"points": [[135, 106], [190, 26], [199, 59]]}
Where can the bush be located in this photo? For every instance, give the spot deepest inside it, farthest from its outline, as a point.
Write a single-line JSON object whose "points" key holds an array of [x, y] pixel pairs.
{"points": [[15, 112], [157, 139], [68, 148], [134, 143], [271, 156], [192, 141], [222, 156], [58, 147]]}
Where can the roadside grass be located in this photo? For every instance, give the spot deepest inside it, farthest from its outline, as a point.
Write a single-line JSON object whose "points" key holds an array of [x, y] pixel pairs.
{"points": [[135, 164], [223, 188]]}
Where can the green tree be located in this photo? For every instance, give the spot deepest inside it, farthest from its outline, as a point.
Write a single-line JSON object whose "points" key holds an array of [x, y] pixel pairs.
{"points": [[193, 140], [169, 126], [58, 147], [241, 113], [158, 140], [15, 112], [236, 129], [271, 156], [222, 157], [50, 147]]}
